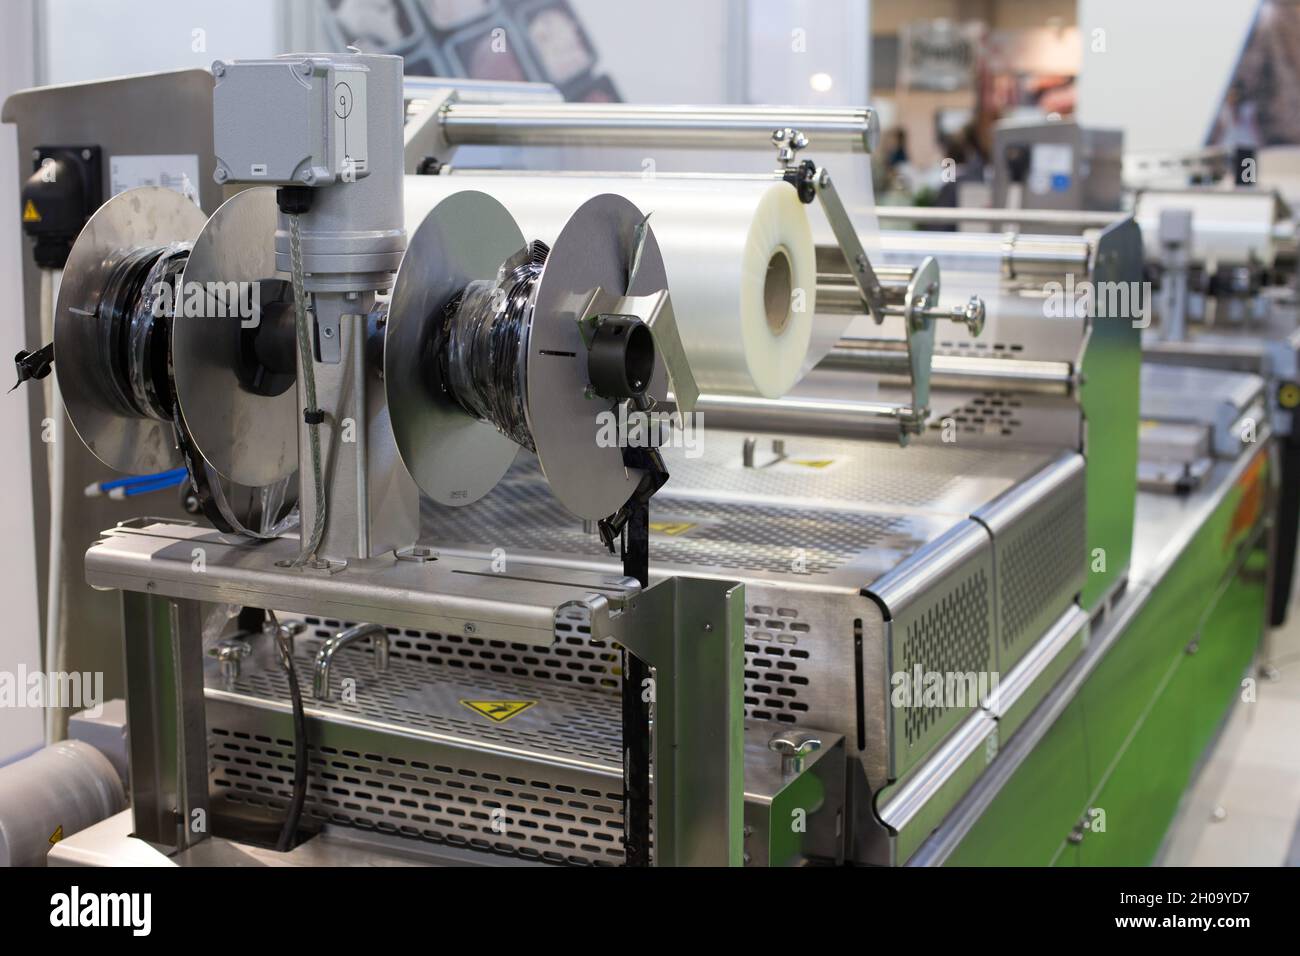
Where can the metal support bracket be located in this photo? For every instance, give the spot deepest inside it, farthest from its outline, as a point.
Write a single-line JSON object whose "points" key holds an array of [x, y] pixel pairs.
{"points": [[864, 275], [167, 733], [656, 311], [698, 686]]}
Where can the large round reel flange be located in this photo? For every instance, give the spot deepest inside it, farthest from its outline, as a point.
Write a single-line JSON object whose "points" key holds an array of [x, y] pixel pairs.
{"points": [[241, 414], [594, 250], [453, 457], [118, 435]]}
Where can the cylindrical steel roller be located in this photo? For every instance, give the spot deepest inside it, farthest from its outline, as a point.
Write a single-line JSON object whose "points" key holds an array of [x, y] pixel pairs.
{"points": [[626, 124]]}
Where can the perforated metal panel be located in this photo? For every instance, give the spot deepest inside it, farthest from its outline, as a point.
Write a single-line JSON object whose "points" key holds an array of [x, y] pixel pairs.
{"points": [[989, 413], [777, 675], [435, 776], [545, 816], [1041, 555], [723, 536], [951, 636], [572, 660], [854, 475], [1044, 556], [400, 753], [421, 696], [941, 627]]}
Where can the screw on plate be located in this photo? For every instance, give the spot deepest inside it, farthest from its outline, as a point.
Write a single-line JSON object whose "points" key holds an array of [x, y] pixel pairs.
{"points": [[793, 746]]}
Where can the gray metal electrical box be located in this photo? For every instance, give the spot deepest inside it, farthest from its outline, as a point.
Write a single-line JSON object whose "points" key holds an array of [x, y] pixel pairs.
{"points": [[1056, 164], [288, 120]]}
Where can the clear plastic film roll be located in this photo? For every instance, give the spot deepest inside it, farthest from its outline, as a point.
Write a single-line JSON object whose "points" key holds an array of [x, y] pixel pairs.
{"points": [[739, 256]]}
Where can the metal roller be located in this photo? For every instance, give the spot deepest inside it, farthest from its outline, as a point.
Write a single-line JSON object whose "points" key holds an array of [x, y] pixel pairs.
{"points": [[815, 417], [1015, 256], [624, 124], [1070, 218]]}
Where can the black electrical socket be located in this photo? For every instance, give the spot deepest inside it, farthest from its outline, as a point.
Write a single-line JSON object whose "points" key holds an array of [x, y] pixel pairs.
{"points": [[64, 190]]}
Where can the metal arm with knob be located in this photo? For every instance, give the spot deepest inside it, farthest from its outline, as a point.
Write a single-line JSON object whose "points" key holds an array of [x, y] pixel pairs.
{"points": [[914, 300]]}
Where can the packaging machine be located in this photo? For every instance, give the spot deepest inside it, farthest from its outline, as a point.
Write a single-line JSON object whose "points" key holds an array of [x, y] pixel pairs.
{"points": [[866, 609], [1224, 262]]}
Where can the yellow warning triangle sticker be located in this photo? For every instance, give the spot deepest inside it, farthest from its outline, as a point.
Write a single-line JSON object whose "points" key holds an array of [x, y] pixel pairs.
{"points": [[498, 711], [57, 835], [29, 212]]}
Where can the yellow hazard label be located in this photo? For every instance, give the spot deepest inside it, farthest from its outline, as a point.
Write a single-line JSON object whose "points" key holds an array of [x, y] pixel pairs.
{"points": [[29, 212], [1288, 396], [671, 527], [498, 711], [57, 835], [812, 462]]}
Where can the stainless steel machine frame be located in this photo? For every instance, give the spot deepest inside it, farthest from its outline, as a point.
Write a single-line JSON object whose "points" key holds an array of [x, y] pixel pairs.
{"points": [[689, 630], [884, 595]]}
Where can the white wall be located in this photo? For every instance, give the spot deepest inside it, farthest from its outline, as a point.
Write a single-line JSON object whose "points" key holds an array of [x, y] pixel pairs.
{"points": [[20, 727], [1164, 69], [726, 51], [93, 39], [668, 51], [791, 42]]}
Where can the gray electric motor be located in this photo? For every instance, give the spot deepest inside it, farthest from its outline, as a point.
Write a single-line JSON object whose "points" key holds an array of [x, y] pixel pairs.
{"points": [[55, 792]]}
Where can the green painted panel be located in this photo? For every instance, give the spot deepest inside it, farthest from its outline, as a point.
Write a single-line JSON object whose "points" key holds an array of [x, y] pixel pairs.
{"points": [[1132, 810], [1109, 395], [1123, 687], [1038, 806], [1125, 683], [1068, 855], [805, 795], [1224, 650], [1135, 733], [1153, 704]]}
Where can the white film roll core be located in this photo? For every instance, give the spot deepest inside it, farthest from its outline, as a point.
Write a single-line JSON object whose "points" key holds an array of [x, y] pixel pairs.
{"points": [[739, 256]]}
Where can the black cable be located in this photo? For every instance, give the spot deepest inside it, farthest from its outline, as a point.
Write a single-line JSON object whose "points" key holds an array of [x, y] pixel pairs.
{"points": [[486, 332], [289, 832]]}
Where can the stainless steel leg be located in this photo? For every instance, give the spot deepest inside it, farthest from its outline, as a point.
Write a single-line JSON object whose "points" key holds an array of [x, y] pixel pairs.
{"points": [[166, 727], [694, 638]]}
